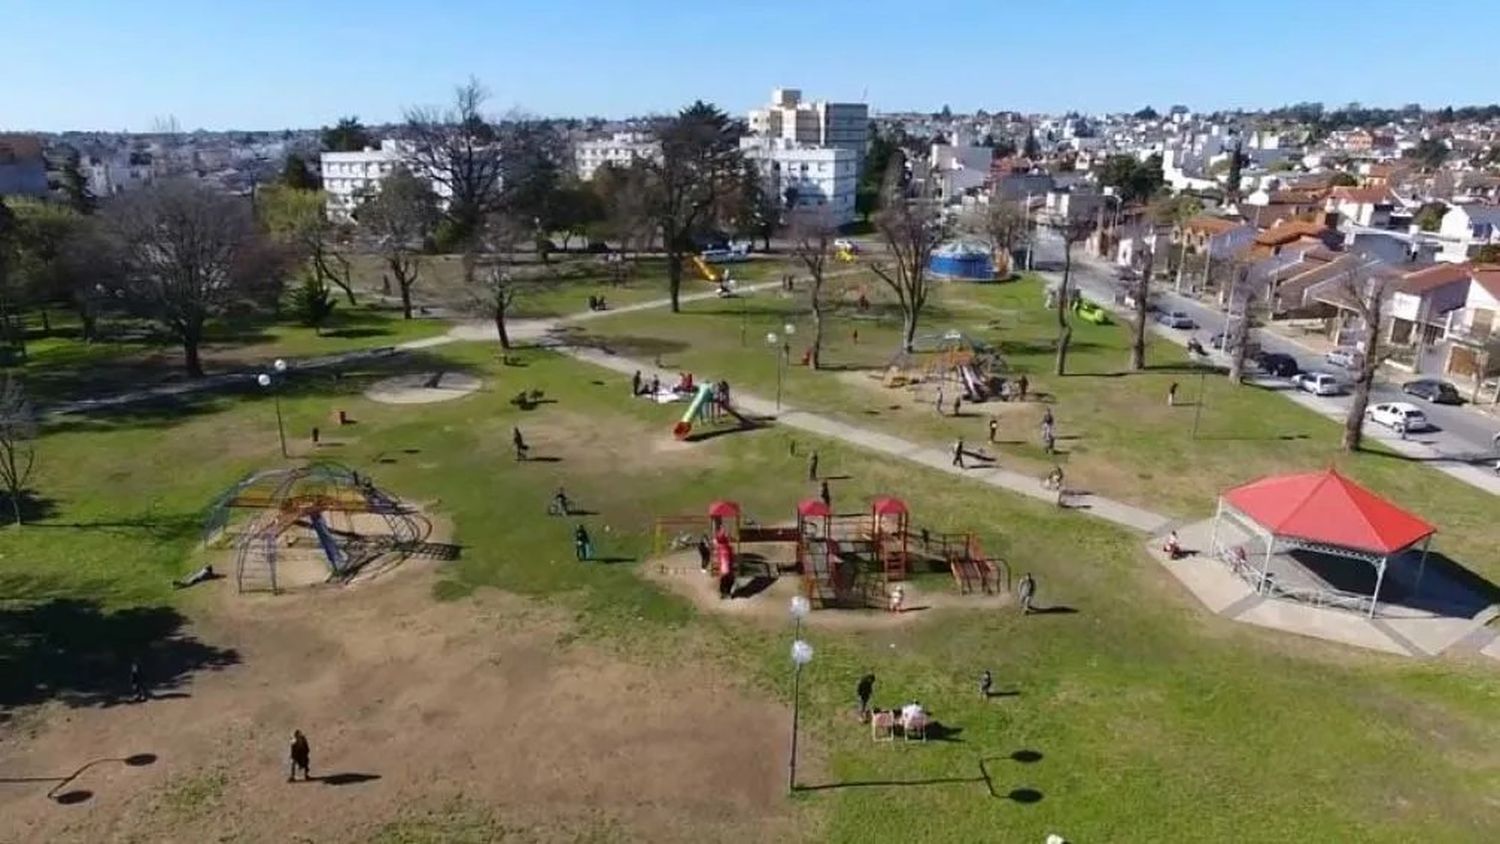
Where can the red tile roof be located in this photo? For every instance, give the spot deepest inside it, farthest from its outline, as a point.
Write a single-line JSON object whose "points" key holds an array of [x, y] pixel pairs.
{"points": [[1285, 233], [1488, 277], [1362, 196], [1212, 225], [1431, 278]]}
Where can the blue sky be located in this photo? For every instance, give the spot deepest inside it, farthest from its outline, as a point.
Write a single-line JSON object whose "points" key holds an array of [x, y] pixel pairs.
{"points": [[90, 64]]}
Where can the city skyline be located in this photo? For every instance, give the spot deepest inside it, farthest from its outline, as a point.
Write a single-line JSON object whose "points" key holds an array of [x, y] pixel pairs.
{"points": [[275, 65]]}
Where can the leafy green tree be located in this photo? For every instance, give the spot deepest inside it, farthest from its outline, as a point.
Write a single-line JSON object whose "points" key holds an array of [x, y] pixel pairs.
{"points": [[1429, 153], [1237, 160], [1429, 218], [313, 302], [348, 135], [531, 171], [1487, 254], [1133, 179], [459, 151], [699, 162], [1147, 113], [75, 186], [867, 194], [1343, 179], [39, 274], [574, 209], [1031, 149], [296, 175], [398, 221], [295, 218], [18, 428]]}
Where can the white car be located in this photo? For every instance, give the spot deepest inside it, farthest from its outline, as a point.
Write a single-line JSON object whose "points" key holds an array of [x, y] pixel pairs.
{"points": [[1346, 358], [1398, 416], [1318, 383]]}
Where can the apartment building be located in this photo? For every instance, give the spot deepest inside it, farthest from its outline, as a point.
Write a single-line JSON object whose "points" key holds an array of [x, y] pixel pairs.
{"points": [[806, 175], [350, 176], [840, 125], [620, 149]]}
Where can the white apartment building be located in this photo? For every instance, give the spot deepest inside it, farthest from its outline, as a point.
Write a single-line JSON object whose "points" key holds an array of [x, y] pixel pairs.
{"points": [[349, 176], [807, 175], [842, 125], [621, 149]]}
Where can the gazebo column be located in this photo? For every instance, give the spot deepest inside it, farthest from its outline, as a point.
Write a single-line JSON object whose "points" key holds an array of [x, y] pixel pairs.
{"points": [[1422, 566], [1213, 535], [1379, 578]]}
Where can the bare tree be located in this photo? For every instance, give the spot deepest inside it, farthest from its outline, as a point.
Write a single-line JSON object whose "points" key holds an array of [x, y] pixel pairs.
{"points": [[912, 227], [398, 220], [492, 288], [17, 437], [1142, 294], [1003, 226], [813, 232], [1072, 230], [1241, 304], [1366, 293], [189, 253], [459, 151], [699, 160]]}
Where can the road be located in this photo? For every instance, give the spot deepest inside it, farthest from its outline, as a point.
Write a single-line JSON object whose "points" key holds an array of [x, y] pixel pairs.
{"points": [[1461, 442]]}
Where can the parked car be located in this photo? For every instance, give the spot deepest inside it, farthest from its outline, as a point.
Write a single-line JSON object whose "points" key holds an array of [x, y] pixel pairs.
{"points": [[1433, 390], [1176, 319], [1345, 358], [1277, 365], [1398, 416], [1318, 383], [1223, 341], [1091, 312]]}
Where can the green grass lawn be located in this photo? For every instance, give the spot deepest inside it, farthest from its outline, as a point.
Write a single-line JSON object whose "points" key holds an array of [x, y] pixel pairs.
{"points": [[1152, 720], [1117, 436]]}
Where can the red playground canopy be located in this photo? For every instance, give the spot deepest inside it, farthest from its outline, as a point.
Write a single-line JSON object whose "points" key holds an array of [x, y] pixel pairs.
{"points": [[724, 510], [1328, 508], [813, 508], [888, 506]]}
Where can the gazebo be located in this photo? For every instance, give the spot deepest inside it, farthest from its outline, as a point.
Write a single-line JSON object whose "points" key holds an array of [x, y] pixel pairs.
{"points": [[1323, 512]]}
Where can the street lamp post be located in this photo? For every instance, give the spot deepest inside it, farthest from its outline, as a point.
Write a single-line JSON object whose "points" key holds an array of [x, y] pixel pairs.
{"points": [[265, 380], [802, 654]]}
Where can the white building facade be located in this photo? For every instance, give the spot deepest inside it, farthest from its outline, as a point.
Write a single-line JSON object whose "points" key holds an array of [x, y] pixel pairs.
{"points": [[621, 149], [806, 175], [350, 176], [841, 125]]}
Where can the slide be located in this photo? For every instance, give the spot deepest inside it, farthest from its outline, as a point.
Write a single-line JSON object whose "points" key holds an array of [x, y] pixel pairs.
{"points": [[325, 539], [695, 407], [971, 382], [708, 273]]}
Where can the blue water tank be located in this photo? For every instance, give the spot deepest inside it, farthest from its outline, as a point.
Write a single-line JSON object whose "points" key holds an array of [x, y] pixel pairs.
{"points": [[962, 264]]}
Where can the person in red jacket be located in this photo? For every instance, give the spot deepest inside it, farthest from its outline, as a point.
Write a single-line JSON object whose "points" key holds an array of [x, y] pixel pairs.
{"points": [[726, 564]]}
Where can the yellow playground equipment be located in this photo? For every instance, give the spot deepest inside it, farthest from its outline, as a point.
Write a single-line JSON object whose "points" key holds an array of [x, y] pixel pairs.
{"points": [[707, 270]]}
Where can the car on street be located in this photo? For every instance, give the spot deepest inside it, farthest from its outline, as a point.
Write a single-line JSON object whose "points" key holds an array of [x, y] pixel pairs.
{"points": [[1176, 319], [1433, 390], [1345, 358], [1318, 383], [1398, 416], [1226, 342], [1277, 365]]}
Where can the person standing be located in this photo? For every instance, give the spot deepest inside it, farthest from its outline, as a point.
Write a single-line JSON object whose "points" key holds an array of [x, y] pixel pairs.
{"points": [[958, 454], [705, 555], [864, 691], [726, 566], [583, 546], [826, 494], [1049, 442], [986, 682], [938, 404], [1023, 384], [1027, 592], [1172, 395], [138, 691], [812, 467], [994, 429], [520, 443], [1047, 417], [301, 753], [655, 385], [635, 383], [957, 403]]}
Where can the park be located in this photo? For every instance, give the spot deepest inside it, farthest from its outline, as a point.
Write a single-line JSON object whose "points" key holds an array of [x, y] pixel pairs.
{"points": [[404, 587]]}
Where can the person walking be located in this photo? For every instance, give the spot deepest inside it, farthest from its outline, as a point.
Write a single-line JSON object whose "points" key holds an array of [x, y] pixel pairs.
{"points": [[301, 753], [1049, 442], [812, 467], [864, 690], [705, 554], [726, 567], [522, 449], [938, 404], [583, 546], [138, 691], [958, 454], [1047, 417], [1027, 592], [994, 429], [655, 385], [986, 682], [1172, 395], [957, 403], [635, 383], [825, 494], [1023, 384]]}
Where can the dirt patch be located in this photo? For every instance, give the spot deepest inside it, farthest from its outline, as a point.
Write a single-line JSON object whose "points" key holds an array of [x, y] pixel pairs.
{"points": [[631, 447], [407, 703], [923, 600], [422, 388]]}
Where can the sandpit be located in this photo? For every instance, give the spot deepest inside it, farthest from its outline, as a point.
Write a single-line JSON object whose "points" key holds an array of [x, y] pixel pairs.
{"points": [[423, 388]]}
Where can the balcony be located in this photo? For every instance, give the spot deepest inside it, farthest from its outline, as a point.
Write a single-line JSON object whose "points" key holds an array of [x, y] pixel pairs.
{"points": [[1464, 328]]}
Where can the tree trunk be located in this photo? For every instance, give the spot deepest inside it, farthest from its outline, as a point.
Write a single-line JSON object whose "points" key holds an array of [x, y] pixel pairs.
{"points": [[405, 297], [908, 328], [190, 354], [46, 323], [500, 329], [815, 354], [1142, 293], [1064, 331], [15, 505], [1354, 423], [674, 279]]}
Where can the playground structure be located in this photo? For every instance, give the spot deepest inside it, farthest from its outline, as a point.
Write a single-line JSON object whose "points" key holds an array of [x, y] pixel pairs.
{"points": [[968, 260], [955, 362], [708, 405], [844, 560], [350, 522], [708, 272]]}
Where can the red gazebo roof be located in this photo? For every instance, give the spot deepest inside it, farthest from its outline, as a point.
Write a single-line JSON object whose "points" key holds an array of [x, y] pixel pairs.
{"points": [[1328, 508], [724, 509], [813, 507]]}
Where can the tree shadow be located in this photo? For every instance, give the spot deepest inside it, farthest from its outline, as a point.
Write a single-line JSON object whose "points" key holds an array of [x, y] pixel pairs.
{"points": [[77, 652], [614, 344], [33, 508]]}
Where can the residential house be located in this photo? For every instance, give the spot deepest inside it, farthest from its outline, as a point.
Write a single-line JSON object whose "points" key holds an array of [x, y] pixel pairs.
{"points": [[1466, 228], [1346, 326], [1472, 333], [1370, 207], [960, 167], [1423, 300], [23, 168], [1073, 204], [1305, 233]]}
